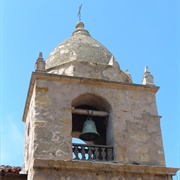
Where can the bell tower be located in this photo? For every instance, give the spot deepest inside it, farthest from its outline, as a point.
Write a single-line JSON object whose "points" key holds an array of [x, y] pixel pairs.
{"points": [[81, 92]]}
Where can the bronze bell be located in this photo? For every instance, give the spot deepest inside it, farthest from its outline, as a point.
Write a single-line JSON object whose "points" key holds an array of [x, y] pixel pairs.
{"points": [[89, 132]]}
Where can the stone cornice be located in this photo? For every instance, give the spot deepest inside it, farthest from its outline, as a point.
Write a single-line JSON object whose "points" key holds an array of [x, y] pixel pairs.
{"points": [[95, 166], [81, 80]]}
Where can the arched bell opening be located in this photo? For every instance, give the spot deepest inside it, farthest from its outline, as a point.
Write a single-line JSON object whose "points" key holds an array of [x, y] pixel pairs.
{"points": [[92, 114], [102, 116]]}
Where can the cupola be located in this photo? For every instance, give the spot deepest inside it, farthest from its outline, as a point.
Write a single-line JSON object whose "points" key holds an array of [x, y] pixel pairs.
{"points": [[82, 56]]}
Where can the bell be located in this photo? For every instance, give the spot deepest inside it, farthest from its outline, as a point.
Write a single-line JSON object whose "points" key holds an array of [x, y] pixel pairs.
{"points": [[89, 132]]}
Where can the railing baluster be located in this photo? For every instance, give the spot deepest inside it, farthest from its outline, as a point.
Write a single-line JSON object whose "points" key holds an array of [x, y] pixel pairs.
{"points": [[92, 152], [103, 153], [79, 152], [92, 155], [88, 153], [96, 153], [83, 153], [76, 152], [108, 156]]}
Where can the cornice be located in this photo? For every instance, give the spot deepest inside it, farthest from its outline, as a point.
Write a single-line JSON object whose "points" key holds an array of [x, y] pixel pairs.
{"points": [[96, 166]]}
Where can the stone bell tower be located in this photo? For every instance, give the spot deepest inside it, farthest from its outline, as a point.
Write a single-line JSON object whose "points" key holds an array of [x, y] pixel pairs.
{"points": [[82, 80]]}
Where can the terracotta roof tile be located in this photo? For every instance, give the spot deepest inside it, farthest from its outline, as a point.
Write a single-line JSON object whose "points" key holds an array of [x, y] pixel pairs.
{"points": [[10, 169]]}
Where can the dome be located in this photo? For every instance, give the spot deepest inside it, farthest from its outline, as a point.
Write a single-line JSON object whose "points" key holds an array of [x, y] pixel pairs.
{"points": [[82, 56], [79, 47]]}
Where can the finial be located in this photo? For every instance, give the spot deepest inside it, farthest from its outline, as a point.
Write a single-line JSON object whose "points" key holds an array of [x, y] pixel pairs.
{"points": [[79, 12], [40, 63], [40, 55], [128, 74], [147, 78], [146, 69], [80, 29], [80, 25]]}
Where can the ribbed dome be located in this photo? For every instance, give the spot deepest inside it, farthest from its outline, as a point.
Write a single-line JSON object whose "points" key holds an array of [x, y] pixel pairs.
{"points": [[79, 47]]}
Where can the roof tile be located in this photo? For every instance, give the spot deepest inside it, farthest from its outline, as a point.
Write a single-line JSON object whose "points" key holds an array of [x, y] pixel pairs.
{"points": [[10, 169]]}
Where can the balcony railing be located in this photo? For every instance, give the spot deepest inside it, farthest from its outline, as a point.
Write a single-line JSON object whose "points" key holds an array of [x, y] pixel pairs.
{"points": [[92, 152]]}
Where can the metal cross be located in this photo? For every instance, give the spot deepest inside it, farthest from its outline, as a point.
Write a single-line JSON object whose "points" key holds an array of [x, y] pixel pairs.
{"points": [[79, 12]]}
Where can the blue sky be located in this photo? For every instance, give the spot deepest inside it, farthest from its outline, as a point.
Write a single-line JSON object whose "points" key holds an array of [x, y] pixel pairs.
{"points": [[139, 33]]}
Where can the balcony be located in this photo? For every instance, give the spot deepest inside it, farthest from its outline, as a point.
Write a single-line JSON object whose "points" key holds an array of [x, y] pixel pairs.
{"points": [[92, 152]]}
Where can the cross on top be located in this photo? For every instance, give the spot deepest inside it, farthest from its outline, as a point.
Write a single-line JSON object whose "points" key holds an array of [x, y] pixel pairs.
{"points": [[79, 12]]}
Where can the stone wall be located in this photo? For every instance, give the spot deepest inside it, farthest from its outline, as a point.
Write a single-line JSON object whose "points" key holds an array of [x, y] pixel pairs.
{"points": [[29, 133], [90, 70], [46, 174], [134, 119]]}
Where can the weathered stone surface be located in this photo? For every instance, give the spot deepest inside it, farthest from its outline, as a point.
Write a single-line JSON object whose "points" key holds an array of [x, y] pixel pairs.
{"points": [[80, 46], [133, 129], [86, 69], [99, 171], [82, 56], [43, 100]]}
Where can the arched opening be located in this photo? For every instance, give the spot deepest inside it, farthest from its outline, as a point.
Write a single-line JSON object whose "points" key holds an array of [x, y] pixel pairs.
{"points": [[100, 111], [93, 100]]}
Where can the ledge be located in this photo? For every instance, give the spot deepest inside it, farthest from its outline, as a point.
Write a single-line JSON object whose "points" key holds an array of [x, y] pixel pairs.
{"points": [[93, 82], [94, 166]]}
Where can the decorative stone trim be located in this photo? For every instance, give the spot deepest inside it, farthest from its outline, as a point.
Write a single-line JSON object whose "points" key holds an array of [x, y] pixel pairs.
{"points": [[103, 167]]}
